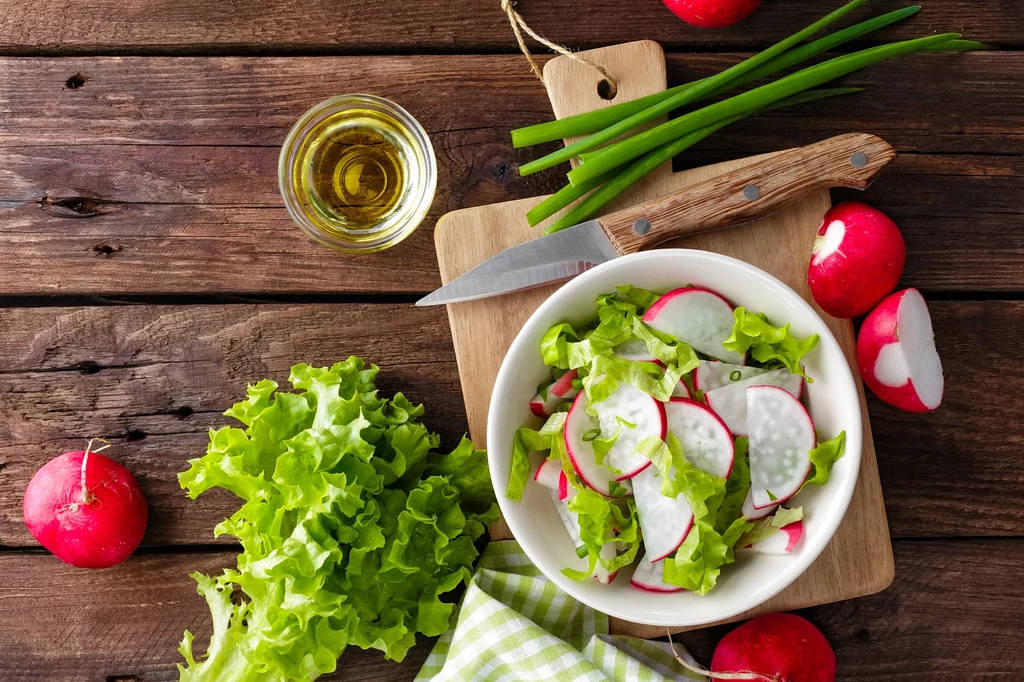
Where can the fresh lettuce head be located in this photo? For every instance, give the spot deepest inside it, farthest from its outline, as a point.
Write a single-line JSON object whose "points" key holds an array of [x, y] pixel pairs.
{"points": [[353, 528]]}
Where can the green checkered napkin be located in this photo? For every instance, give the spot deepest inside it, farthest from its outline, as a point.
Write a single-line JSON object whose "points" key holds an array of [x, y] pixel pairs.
{"points": [[516, 625]]}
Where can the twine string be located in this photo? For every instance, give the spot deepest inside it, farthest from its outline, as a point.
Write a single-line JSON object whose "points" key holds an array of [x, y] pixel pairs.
{"points": [[519, 25]]}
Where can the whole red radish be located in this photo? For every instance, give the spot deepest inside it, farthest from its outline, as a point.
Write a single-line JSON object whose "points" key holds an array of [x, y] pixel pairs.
{"points": [[712, 13], [897, 356], [779, 646], [857, 259], [85, 508]]}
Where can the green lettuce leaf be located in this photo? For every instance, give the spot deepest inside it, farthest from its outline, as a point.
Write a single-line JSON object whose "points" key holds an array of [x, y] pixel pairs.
{"points": [[823, 457], [354, 529], [736, 488], [770, 525], [770, 346], [525, 441], [600, 517]]}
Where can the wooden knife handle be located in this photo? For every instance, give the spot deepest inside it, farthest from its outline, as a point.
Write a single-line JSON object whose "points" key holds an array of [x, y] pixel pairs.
{"points": [[754, 191]]}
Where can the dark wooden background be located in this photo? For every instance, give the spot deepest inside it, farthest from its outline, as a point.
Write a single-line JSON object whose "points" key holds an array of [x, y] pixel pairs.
{"points": [[148, 271]]}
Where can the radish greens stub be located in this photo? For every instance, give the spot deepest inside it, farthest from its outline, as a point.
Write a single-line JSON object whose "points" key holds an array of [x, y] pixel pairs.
{"points": [[679, 416]]}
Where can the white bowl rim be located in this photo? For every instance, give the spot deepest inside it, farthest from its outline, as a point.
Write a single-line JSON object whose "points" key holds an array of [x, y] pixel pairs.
{"points": [[841, 496]]}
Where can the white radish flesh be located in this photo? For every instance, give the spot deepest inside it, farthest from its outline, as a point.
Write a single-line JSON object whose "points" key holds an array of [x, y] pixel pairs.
{"points": [[751, 514], [730, 402], [785, 541], [699, 317], [649, 576], [557, 393], [548, 473], [781, 439], [665, 521], [572, 526], [630, 413], [707, 443], [712, 374]]}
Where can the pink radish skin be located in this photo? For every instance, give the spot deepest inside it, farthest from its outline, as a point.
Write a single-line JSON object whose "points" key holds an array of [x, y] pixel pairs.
{"points": [[648, 577], [779, 646], [89, 511], [781, 437], [712, 13], [897, 356], [784, 542], [549, 473], [558, 393], [696, 316], [858, 258]]}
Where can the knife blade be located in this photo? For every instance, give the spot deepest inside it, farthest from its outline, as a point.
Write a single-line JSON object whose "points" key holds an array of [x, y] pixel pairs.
{"points": [[751, 192]]}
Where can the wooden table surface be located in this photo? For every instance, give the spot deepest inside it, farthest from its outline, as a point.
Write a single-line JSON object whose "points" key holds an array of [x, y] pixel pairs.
{"points": [[149, 271]]}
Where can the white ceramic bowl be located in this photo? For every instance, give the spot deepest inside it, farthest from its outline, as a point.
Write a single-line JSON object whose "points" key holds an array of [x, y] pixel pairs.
{"points": [[832, 400]]}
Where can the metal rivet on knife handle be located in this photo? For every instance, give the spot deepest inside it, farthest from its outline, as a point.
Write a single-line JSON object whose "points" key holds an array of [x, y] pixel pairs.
{"points": [[642, 226], [859, 160], [751, 192]]}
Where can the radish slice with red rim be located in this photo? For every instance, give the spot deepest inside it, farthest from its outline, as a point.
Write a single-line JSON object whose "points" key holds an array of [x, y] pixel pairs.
{"points": [[549, 473], [785, 541], [665, 521], [649, 576], [707, 443], [730, 402], [712, 374], [557, 393], [699, 317], [781, 439], [751, 514]]}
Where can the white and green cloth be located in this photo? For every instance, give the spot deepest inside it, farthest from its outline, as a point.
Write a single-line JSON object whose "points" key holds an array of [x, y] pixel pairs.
{"points": [[515, 625]]}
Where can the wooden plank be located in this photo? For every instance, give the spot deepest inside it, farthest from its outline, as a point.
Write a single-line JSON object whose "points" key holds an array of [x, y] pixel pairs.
{"points": [[168, 372], [96, 625], [193, 26], [156, 379]]}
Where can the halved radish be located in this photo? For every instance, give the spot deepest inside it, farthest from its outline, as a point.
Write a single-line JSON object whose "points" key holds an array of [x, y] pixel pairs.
{"points": [[635, 350], [712, 374], [548, 473], [649, 576], [628, 404], [781, 439], [897, 356], [572, 526], [751, 514], [784, 541], [665, 521], [730, 402], [698, 317], [557, 393], [857, 259], [707, 443]]}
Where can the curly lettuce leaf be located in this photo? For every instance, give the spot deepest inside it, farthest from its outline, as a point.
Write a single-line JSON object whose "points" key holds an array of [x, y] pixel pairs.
{"points": [[525, 441], [770, 525], [354, 529], [736, 488], [770, 346], [823, 457], [603, 520]]}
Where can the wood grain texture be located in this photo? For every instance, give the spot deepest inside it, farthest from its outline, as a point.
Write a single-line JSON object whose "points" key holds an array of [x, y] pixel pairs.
{"points": [[776, 182], [858, 560], [173, 161], [155, 379], [387, 26], [945, 618]]}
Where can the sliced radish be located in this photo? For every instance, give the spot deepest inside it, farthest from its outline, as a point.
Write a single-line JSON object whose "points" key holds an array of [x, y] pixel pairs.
{"points": [[557, 393], [629, 404], [548, 473], [698, 317], [665, 521], [897, 356], [730, 402], [572, 526], [712, 374], [681, 390], [751, 514], [781, 439], [649, 576], [707, 443], [784, 541], [635, 350]]}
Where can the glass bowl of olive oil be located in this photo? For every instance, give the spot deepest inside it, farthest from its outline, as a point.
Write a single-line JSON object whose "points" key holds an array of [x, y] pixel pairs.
{"points": [[357, 173]]}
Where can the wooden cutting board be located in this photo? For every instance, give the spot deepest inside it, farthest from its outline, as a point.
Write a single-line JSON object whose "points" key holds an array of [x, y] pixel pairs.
{"points": [[859, 560]]}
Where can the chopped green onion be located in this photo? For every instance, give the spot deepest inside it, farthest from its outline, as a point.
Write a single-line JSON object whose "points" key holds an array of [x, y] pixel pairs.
{"points": [[626, 178], [746, 102], [593, 121], [582, 551], [735, 375], [685, 97], [591, 435]]}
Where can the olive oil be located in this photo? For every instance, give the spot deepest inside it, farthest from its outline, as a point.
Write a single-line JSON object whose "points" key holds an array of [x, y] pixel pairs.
{"points": [[357, 173]]}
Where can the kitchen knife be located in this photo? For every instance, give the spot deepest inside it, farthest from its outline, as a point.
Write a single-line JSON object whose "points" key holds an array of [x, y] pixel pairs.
{"points": [[754, 191]]}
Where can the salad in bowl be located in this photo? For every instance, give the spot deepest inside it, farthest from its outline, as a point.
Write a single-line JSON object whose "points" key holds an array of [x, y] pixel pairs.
{"points": [[680, 431]]}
